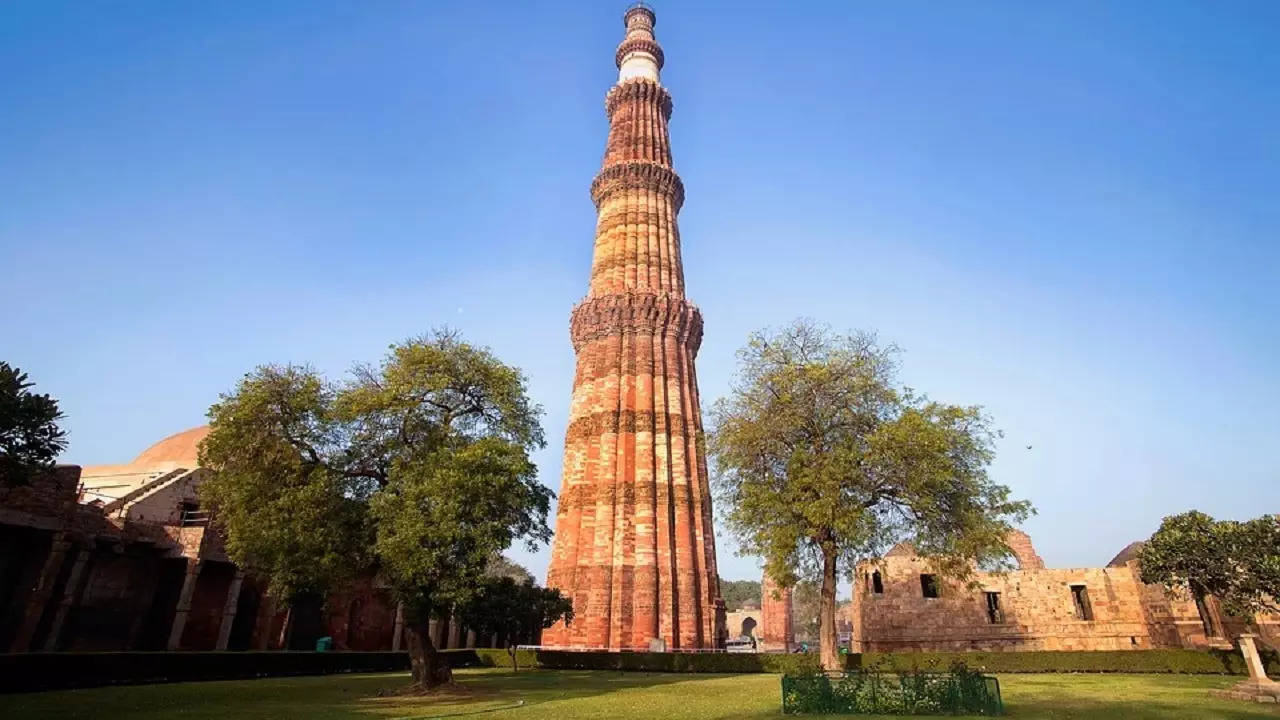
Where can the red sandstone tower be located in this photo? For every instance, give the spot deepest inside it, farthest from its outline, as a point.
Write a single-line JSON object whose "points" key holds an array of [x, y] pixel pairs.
{"points": [[776, 624], [634, 546]]}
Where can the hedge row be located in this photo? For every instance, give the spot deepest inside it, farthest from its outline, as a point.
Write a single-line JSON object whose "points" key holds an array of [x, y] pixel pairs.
{"points": [[679, 662], [1199, 662], [25, 672]]}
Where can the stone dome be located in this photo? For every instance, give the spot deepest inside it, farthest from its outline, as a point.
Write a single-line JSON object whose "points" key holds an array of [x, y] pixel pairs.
{"points": [[179, 450], [1130, 552]]}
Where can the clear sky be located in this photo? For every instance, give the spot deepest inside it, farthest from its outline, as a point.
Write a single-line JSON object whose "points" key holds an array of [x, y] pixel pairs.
{"points": [[1065, 211]]}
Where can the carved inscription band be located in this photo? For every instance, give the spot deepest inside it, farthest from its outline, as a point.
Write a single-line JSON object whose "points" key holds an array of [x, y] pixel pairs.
{"points": [[610, 315], [637, 175]]}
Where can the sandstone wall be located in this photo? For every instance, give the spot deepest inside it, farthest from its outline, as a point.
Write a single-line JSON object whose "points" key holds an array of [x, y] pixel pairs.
{"points": [[776, 630], [117, 597], [361, 617], [1037, 610], [740, 623]]}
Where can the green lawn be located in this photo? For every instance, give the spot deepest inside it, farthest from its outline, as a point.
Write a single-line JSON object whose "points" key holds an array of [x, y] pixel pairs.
{"points": [[572, 695]]}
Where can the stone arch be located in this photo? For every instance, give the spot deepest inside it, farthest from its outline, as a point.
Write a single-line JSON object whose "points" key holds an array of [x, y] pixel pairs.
{"points": [[1024, 553]]}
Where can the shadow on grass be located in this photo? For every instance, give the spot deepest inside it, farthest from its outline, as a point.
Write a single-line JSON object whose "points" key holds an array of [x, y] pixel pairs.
{"points": [[488, 692], [1138, 710], [1136, 697], [501, 694], [330, 697]]}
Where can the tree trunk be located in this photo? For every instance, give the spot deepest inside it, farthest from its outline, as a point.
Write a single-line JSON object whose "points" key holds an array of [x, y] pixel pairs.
{"points": [[828, 652], [429, 667], [515, 664]]}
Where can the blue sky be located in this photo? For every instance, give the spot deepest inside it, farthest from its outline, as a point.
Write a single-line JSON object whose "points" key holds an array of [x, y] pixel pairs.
{"points": [[1066, 212]]}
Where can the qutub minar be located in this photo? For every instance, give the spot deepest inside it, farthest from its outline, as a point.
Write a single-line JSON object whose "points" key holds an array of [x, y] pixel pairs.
{"points": [[634, 545]]}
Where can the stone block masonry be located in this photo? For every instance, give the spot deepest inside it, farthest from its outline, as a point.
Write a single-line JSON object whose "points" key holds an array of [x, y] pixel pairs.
{"points": [[899, 604], [634, 546], [776, 624]]}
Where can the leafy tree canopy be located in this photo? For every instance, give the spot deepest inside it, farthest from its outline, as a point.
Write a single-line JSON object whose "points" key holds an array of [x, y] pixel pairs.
{"points": [[30, 438], [514, 610], [417, 469], [1237, 562], [737, 593], [821, 459], [501, 566]]}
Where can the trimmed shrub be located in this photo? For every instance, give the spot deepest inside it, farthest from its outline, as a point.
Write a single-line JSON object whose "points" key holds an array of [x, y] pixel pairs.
{"points": [[26, 672], [490, 657], [912, 693], [678, 662], [1212, 662], [1201, 662]]}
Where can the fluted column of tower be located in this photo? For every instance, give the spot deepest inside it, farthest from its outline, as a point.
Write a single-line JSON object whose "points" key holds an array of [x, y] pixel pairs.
{"points": [[634, 546]]}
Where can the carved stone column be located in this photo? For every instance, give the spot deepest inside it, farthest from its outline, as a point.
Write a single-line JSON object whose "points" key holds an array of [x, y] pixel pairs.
{"points": [[184, 603], [38, 601], [455, 634], [229, 609], [70, 598], [1258, 688], [398, 630], [266, 617]]}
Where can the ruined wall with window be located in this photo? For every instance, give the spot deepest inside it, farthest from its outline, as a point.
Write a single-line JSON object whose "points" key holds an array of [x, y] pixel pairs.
{"points": [[901, 604]]}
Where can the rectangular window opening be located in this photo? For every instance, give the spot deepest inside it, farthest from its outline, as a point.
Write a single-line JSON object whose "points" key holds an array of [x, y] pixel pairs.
{"points": [[994, 614], [1080, 597], [191, 515], [929, 585], [877, 583]]}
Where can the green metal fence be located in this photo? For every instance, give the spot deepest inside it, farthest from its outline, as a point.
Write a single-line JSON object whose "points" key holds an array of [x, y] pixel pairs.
{"points": [[872, 693]]}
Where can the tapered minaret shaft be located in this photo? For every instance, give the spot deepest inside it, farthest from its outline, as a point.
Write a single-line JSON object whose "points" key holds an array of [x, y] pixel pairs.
{"points": [[634, 545]]}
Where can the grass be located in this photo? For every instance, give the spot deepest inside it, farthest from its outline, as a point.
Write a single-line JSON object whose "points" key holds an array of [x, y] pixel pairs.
{"points": [[499, 694]]}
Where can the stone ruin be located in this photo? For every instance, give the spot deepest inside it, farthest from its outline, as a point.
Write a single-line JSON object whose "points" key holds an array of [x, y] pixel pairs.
{"points": [[899, 603], [121, 557]]}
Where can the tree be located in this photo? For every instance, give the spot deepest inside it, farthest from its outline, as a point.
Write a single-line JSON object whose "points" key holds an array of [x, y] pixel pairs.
{"points": [[30, 438], [1236, 562], [417, 469], [500, 566], [514, 610], [737, 593], [820, 461]]}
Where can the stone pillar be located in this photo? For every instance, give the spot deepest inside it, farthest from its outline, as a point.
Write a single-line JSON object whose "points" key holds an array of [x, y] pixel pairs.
{"points": [[776, 628], [41, 593], [262, 628], [1257, 672], [70, 598], [229, 609], [455, 634], [184, 602], [471, 638], [286, 629], [398, 630], [1258, 688]]}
